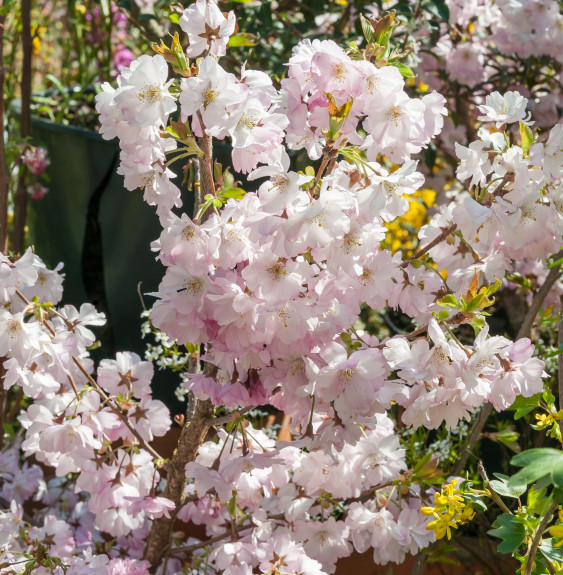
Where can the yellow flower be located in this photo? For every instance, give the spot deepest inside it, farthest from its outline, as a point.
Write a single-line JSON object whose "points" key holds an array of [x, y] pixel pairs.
{"points": [[401, 232], [442, 525], [36, 42], [449, 509], [466, 515], [544, 419], [557, 531]]}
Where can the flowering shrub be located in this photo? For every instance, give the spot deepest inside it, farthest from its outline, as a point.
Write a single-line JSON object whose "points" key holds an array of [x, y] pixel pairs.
{"points": [[265, 290]]}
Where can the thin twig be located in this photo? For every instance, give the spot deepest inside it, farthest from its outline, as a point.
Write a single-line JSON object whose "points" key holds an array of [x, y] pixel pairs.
{"points": [[474, 437], [440, 238], [227, 418], [537, 538], [553, 275], [494, 496], [111, 404], [119, 412], [182, 551], [327, 153]]}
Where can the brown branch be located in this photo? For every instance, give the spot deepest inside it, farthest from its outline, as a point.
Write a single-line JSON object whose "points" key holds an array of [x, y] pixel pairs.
{"points": [[20, 197], [327, 153], [456, 319], [4, 174], [228, 418], [537, 539], [206, 162], [16, 407], [198, 413], [191, 437], [105, 398], [553, 275], [474, 437], [182, 551], [115, 408], [440, 238], [196, 180]]}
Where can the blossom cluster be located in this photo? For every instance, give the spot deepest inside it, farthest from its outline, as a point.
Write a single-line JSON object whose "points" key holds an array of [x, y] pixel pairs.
{"points": [[77, 425], [98, 432], [269, 285]]}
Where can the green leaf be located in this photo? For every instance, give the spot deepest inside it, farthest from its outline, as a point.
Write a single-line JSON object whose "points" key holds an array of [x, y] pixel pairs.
{"points": [[192, 147], [437, 8], [232, 505], [519, 280], [537, 463], [511, 530], [538, 503], [557, 494], [448, 301], [367, 29], [236, 193], [421, 463], [476, 501], [555, 352], [508, 437], [527, 137], [54, 80], [555, 263], [523, 405], [478, 323], [242, 39], [175, 18], [550, 552], [548, 397], [501, 486], [406, 72]]}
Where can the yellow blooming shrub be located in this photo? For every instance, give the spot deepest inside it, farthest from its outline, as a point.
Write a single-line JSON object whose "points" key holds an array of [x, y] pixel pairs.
{"points": [[449, 509], [402, 232]]}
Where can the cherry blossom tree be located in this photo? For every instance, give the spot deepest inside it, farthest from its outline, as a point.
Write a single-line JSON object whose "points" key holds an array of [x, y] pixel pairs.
{"points": [[265, 289]]}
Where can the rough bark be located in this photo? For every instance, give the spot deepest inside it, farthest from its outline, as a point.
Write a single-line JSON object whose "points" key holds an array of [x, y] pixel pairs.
{"points": [[192, 436]]}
